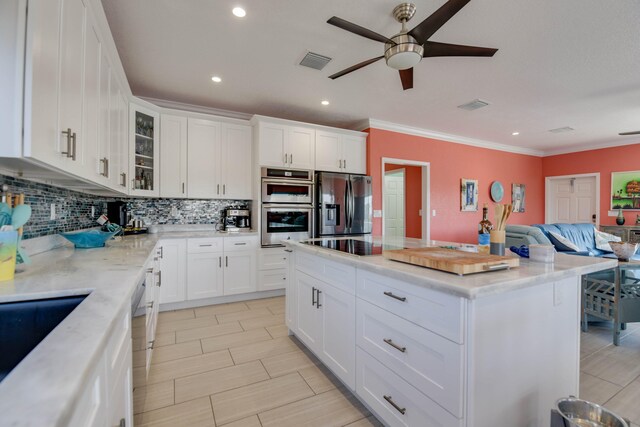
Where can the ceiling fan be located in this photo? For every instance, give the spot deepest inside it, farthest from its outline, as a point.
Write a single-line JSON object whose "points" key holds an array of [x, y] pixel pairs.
{"points": [[636, 132], [407, 48]]}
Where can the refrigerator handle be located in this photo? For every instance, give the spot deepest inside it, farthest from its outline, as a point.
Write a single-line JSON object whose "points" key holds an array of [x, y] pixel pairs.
{"points": [[352, 200], [347, 215]]}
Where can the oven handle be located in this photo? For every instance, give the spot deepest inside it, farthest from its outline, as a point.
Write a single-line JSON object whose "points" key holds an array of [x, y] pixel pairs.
{"points": [[299, 183], [288, 207]]}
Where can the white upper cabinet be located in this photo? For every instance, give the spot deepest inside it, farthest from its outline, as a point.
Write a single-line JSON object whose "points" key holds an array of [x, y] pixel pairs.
{"points": [[219, 160], [338, 152], [173, 161], [236, 162], [90, 148], [286, 146], [122, 168], [144, 152], [204, 147]]}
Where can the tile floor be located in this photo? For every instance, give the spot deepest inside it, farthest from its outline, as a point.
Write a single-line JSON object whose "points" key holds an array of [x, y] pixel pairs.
{"points": [[234, 365]]}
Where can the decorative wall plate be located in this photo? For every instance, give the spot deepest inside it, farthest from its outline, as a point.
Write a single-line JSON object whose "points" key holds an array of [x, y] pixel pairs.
{"points": [[497, 191]]}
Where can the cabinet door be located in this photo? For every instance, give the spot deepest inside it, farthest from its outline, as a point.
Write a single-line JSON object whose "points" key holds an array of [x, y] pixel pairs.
{"points": [[338, 329], [173, 160], [239, 272], [307, 314], [173, 271], [354, 153], [102, 167], [271, 143], [301, 148], [272, 279], [41, 133], [120, 409], [203, 176], [144, 157], [91, 103], [236, 161], [114, 133], [123, 161], [204, 275], [72, 32], [328, 152]]}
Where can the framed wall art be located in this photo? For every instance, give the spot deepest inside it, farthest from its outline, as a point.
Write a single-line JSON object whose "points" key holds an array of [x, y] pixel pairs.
{"points": [[517, 197], [468, 195], [625, 190]]}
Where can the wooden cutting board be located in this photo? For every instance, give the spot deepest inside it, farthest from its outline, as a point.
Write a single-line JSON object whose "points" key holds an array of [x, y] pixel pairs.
{"points": [[452, 260]]}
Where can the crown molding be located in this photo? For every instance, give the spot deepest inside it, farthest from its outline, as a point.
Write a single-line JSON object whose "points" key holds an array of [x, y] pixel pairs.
{"points": [[410, 130], [197, 108], [590, 147]]}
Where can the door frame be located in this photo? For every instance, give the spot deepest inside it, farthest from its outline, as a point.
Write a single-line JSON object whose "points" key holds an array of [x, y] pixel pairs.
{"points": [[547, 193], [426, 198], [404, 196]]}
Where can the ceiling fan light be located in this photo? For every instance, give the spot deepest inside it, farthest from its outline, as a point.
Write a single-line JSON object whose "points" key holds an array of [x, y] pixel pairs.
{"points": [[403, 60]]}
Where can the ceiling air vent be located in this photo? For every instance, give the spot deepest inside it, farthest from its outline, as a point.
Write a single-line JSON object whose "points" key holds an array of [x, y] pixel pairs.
{"points": [[315, 61], [473, 105], [562, 130]]}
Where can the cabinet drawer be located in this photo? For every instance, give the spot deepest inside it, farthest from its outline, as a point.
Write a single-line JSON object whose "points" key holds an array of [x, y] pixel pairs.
{"points": [[272, 279], [427, 361], [339, 275], [436, 311], [204, 245], [273, 259], [245, 243], [91, 407], [397, 402]]}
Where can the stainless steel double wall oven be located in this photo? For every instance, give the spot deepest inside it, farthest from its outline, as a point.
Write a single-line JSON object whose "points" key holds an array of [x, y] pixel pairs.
{"points": [[287, 205]]}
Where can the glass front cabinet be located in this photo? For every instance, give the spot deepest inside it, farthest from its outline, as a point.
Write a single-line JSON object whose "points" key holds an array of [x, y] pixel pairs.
{"points": [[144, 146]]}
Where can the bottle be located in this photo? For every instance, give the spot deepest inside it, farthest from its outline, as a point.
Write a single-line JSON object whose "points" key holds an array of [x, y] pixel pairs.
{"points": [[484, 230]]}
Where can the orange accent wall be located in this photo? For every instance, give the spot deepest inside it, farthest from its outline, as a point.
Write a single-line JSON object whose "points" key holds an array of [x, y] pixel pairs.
{"points": [[605, 161], [449, 162], [412, 198]]}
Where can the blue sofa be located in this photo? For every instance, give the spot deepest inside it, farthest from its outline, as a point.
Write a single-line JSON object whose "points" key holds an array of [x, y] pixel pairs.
{"points": [[580, 234]]}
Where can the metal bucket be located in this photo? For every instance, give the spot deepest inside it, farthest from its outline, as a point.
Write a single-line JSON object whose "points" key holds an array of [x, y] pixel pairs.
{"points": [[581, 413]]}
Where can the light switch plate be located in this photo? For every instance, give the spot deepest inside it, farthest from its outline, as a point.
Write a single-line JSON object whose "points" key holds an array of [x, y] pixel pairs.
{"points": [[377, 213], [53, 211]]}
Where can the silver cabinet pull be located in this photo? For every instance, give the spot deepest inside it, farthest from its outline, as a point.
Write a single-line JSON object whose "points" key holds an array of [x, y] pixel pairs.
{"points": [[183, 188], [285, 158], [123, 175], [390, 294], [394, 345], [105, 169], [220, 262], [150, 304], [318, 305], [69, 152], [290, 159], [218, 189], [224, 188], [149, 270], [204, 246], [151, 344], [226, 261], [73, 143], [161, 252], [288, 250], [395, 405], [240, 244], [313, 295], [123, 423], [159, 273], [133, 184], [344, 163]]}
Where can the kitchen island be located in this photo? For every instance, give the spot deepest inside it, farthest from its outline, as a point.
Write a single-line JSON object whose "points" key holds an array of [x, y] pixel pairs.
{"points": [[426, 348]]}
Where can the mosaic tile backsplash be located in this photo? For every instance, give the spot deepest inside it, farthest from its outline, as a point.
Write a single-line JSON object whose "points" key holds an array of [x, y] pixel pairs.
{"points": [[73, 209]]}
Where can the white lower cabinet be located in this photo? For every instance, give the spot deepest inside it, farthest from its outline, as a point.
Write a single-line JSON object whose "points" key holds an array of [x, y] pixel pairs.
{"points": [[239, 272], [396, 401], [173, 270], [204, 275], [326, 324], [273, 268]]}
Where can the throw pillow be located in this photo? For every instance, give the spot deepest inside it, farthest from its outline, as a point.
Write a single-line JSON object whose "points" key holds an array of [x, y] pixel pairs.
{"points": [[603, 239], [562, 243]]}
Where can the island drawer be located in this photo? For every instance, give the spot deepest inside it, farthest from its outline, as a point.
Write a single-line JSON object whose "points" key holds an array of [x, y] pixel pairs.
{"points": [[204, 245], [396, 401], [244, 243], [426, 360], [337, 274], [436, 311], [273, 259]]}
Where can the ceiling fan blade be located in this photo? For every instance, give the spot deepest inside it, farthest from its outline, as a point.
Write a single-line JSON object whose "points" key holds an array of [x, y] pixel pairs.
{"points": [[637, 132], [429, 26], [357, 29], [406, 76], [432, 49], [355, 67]]}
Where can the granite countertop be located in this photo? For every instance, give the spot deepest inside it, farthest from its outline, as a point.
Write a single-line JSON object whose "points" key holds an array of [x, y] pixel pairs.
{"points": [[43, 388], [471, 286]]}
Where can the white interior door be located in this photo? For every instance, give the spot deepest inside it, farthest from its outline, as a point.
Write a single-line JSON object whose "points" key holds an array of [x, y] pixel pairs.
{"points": [[572, 200], [394, 203]]}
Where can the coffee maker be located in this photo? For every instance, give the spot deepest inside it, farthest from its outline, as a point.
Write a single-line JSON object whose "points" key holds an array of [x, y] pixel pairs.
{"points": [[237, 219], [117, 213]]}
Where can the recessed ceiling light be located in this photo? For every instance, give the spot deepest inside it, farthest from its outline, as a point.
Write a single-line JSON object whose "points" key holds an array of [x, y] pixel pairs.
{"points": [[325, 102], [216, 79], [515, 133], [239, 12]]}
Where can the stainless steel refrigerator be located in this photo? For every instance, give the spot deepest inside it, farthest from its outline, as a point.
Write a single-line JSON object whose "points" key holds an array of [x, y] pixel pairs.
{"points": [[344, 204]]}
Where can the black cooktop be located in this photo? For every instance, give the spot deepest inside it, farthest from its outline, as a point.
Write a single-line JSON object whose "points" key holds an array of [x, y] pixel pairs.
{"points": [[353, 246]]}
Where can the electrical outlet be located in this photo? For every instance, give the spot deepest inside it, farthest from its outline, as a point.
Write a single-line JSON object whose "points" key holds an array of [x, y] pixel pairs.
{"points": [[93, 211], [433, 213], [53, 212], [377, 213], [174, 211], [419, 212]]}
